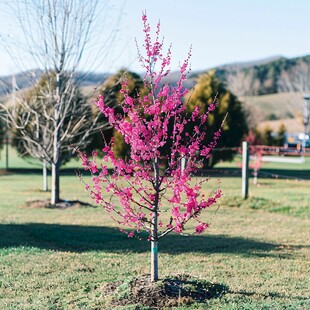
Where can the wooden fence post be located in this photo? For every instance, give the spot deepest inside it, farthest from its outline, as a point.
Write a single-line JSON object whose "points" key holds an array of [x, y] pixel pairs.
{"points": [[245, 169]]}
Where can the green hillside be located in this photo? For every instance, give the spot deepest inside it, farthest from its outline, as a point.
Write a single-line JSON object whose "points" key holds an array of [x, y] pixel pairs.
{"points": [[275, 106], [259, 79]]}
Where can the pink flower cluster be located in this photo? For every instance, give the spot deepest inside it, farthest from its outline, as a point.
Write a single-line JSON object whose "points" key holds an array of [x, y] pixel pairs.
{"points": [[152, 183]]}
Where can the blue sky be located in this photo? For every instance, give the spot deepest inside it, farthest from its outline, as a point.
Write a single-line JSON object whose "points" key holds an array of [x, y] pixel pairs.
{"points": [[220, 31]]}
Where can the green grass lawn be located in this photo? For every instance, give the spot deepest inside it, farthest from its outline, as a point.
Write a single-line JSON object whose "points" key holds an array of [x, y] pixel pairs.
{"points": [[61, 259], [281, 105], [17, 162]]}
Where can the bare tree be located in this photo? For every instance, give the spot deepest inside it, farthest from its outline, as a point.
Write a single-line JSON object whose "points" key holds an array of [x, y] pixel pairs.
{"points": [[57, 37], [240, 82], [296, 78], [35, 119], [243, 84], [296, 81]]}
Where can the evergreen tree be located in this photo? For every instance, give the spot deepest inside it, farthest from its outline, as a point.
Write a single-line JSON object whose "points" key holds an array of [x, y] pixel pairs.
{"points": [[281, 135], [267, 137], [111, 92], [207, 88]]}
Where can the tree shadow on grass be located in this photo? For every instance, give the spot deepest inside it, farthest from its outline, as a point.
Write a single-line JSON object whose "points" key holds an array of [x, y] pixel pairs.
{"points": [[75, 238]]}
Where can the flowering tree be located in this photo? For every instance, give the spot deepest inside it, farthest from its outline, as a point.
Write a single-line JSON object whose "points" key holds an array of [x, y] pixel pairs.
{"points": [[257, 163], [151, 190], [256, 152]]}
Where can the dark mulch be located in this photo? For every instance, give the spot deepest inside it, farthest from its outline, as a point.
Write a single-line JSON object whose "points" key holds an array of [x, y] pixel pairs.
{"points": [[170, 292], [63, 204], [5, 172]]}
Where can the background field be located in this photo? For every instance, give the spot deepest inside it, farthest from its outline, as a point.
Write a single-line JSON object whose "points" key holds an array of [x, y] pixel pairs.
{"points": [[61, 259]]}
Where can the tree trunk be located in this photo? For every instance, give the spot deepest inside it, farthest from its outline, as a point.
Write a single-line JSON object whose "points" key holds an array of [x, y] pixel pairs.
{"points": [[55, 183], [7, 147], [55, 169], [255, 177], [154, 261], [45, 179], [154, 229], [183, 164], [56, 145]]}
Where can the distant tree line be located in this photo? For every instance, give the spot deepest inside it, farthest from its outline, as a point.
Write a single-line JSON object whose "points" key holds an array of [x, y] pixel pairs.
{"points": [[41, 100], [267, 136], [261, 79], [33, 116]]}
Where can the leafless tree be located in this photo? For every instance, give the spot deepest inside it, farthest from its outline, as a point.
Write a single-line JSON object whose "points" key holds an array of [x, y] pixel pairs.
{"points": [[240, 82], [296, 81], [296, 78], [57, 35], [34, 119]]}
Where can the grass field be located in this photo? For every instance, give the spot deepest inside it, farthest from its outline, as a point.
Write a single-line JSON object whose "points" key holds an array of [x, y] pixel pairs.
{"points": [[61, 259], [280, 105]]}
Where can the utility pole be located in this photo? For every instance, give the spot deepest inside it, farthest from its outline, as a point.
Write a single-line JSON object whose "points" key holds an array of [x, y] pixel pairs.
{"points": [[306, 114]]}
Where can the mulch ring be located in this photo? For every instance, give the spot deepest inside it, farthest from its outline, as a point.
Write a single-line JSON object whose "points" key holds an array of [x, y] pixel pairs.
{"points": [[170, 292], [5, 172], [63, 204]]}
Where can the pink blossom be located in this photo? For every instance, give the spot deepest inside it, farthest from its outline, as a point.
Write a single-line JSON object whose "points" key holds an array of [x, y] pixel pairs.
{"points": [[200, 228], [131, 234], [93, 166], [149, 183]]}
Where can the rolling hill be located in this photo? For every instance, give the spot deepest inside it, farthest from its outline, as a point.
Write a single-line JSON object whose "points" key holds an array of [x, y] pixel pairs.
{"points": [[256, 83]]}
